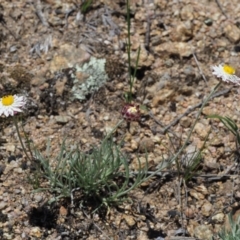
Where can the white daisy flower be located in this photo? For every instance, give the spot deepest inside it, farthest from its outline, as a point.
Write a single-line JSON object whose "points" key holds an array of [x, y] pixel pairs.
{"points": [[11, 104], [226, 73]]}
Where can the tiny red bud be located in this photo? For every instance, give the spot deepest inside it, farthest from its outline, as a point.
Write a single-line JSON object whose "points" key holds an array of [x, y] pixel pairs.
{"points": [[131, 112]]}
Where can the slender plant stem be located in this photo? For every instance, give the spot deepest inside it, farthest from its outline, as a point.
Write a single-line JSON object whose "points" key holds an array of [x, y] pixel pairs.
{"points": [[131, 78], [135, 71], [20, 138], [129, 96], [113, 130], [85, 6], [189, 134]]}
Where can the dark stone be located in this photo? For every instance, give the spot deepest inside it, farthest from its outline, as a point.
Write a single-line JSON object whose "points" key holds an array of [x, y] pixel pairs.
{"points": [[237, 48], [11, 158], [43, 216]]}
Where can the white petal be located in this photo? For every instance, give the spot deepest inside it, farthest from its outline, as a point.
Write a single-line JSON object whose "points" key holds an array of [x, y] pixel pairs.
{"points": [[10, 112], [15, 110], [6, 113], [220, 73], [18, 104]]}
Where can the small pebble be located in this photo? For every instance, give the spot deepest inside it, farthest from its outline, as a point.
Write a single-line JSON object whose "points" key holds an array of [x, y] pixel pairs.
{"points": [[2, 205], [38, 198]]}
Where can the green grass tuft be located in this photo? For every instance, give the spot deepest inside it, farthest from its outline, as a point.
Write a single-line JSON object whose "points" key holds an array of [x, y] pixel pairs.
{"points": [[103, 174]]}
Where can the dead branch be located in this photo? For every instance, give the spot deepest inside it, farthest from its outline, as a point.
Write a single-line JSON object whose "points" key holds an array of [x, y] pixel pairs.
{"points": [[189, 110], [38, 8], [220, 7]]}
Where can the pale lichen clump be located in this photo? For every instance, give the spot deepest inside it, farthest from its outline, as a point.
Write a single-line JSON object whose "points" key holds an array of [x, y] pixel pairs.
{"points": [[96, 78]]}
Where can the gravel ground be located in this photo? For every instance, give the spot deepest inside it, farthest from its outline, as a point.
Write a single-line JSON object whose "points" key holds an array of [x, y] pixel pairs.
{"points": [[44, 46]]}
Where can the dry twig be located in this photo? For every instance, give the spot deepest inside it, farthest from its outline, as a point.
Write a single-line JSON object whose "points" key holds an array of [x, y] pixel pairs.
{"points": [[4, 24], [147, 35], [220, 7], [199, 68], [189, 110], [38, 8]]}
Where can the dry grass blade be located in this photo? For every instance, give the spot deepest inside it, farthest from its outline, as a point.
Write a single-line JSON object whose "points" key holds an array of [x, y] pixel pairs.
{"points": [[38, 8]]}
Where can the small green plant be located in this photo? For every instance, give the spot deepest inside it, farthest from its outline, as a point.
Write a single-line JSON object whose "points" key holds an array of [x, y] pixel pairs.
{"points": [[191, 163], [230, 125], [85, 6], [102, 175], [233, 233]]}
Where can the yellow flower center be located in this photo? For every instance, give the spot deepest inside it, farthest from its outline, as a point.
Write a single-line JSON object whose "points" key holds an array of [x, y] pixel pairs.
{"points": [[132, 110], [7, 100], [228, 69]]}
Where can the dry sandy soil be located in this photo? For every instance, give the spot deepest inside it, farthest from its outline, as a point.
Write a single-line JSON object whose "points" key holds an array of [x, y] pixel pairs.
{"points": [[42, 46]]}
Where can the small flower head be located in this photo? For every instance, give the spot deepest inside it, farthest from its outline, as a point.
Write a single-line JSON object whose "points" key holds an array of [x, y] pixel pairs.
{"points": [[131, 112], [11, 104], [226, 73]]}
